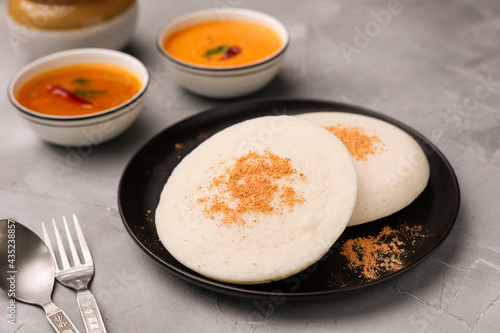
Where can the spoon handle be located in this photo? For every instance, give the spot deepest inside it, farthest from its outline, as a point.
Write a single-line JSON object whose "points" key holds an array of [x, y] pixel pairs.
{"points": [[90, 311], [58, 319]]}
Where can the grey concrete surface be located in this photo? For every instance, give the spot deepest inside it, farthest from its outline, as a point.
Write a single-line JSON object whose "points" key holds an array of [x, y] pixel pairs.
{"points": [[419, 61]]}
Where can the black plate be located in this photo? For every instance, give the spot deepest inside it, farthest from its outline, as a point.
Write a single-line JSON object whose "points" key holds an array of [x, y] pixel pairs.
{"points": [[141, 184]]}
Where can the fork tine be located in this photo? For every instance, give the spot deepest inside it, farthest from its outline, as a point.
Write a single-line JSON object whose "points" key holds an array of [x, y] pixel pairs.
{"points": [[60, 247], [74, 254], [49, 245], [83, 244]]}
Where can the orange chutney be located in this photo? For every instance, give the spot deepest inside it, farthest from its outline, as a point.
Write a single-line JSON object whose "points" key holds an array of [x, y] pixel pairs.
{"points": [[222, 43], [79, 89]]}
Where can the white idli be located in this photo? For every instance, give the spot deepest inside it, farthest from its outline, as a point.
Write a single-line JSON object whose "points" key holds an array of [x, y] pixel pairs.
{"points": [[258, 201], [391, 166]]}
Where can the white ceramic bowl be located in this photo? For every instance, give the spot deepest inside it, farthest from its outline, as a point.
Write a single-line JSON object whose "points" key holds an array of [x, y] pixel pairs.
{"points": [[113, 34], [84, 130], [224, 82]]}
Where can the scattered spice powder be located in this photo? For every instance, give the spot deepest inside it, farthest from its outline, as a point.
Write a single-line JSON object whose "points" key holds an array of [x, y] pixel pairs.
{"points": [[179, 145], [255, 183], [373, 256], [148, 216], [357, 142]]}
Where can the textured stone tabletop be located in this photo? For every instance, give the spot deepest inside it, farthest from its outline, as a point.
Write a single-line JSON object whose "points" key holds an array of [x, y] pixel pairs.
{"points": [[434, 65]]}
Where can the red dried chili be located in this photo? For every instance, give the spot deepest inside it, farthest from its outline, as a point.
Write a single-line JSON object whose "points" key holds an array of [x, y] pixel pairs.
{"points": [[69, 96]]}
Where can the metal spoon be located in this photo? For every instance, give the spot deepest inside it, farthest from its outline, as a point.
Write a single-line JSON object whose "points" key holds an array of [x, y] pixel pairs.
{"points": [[27, 272]]}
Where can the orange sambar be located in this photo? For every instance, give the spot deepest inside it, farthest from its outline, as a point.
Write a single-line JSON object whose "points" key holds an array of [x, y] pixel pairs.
{"points": [[198, 44], [79, 89]]}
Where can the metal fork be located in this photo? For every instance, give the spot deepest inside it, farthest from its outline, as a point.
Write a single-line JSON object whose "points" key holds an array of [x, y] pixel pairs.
{"points": [[77, 276]]}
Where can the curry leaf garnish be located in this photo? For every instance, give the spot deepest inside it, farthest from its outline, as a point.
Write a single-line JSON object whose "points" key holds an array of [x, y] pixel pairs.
{"points": [[82, 81], [90, 93], [215, 50]]}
